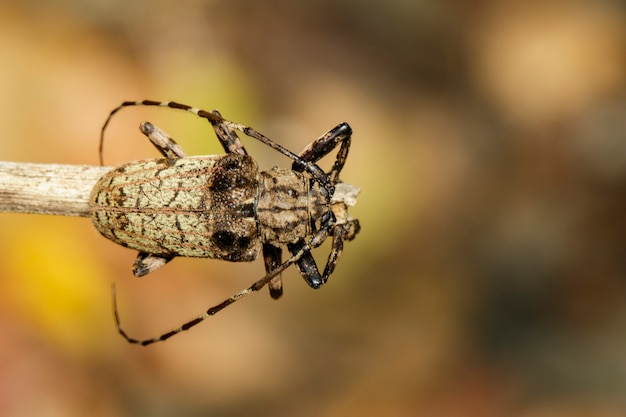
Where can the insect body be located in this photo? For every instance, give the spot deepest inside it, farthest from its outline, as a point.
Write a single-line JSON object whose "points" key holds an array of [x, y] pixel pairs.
{"points": [[223, 207]]}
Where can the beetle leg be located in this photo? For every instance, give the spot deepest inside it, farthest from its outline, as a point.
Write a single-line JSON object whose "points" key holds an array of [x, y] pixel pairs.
{"points": [[339, 234], [272, 256], [146, 263], [162, 141], [227, 136], [323, 145], [306, 265]]}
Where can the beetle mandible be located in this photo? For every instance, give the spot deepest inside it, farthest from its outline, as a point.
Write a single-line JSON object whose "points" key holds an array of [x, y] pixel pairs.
{"points": [[224, 207]]}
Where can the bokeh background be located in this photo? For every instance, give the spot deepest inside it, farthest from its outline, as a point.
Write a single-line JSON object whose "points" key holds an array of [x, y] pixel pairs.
{"points": [[489, 278]]}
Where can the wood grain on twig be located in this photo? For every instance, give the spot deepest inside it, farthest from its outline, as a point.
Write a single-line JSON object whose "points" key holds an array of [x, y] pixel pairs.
{"points": [[47, 188]]}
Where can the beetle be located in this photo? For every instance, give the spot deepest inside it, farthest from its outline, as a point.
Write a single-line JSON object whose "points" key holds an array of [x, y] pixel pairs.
{"points": [[224, 207]]}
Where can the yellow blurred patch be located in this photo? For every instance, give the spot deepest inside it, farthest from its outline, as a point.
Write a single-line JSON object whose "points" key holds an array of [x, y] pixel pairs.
{"points": [[53, 281]]}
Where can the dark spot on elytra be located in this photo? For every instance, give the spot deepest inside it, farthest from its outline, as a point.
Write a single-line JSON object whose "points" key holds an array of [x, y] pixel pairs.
{"points": [[232, 172], [230, 163], [224, 239], [243, 242], [222, 181], [247, 210]]}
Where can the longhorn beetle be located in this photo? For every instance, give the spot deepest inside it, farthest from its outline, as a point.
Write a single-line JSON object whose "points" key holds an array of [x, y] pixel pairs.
{"points": [[224, 207]]}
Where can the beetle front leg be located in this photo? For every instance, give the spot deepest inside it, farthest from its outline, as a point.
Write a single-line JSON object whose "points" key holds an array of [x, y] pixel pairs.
{"points": [[323, 145], [306, 265]]}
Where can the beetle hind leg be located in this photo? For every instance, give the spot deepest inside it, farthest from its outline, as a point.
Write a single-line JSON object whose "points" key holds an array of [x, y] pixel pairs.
{"points": [[146, 263], [162, 141]]}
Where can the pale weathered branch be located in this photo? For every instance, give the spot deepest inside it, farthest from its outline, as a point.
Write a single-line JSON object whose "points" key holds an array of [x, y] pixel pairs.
{"points": [[47, 188]]}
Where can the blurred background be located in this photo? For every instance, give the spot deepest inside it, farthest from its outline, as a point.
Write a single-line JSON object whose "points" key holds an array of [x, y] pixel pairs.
{"points": [[489, 278]]}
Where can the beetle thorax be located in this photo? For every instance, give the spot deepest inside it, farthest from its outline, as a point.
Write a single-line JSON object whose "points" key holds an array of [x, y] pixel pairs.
{"points": [[290, 206]]}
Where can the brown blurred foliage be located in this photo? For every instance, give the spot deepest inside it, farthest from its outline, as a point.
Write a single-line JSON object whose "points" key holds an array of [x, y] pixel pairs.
{"points": [[489, 278]]}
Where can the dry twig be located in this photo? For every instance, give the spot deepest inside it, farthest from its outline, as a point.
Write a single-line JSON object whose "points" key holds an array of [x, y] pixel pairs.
{"points": [[47, 188]]}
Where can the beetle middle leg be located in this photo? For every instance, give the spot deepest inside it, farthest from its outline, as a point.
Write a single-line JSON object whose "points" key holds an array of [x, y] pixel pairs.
{"points": [[227, 136], [272, 257]]}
